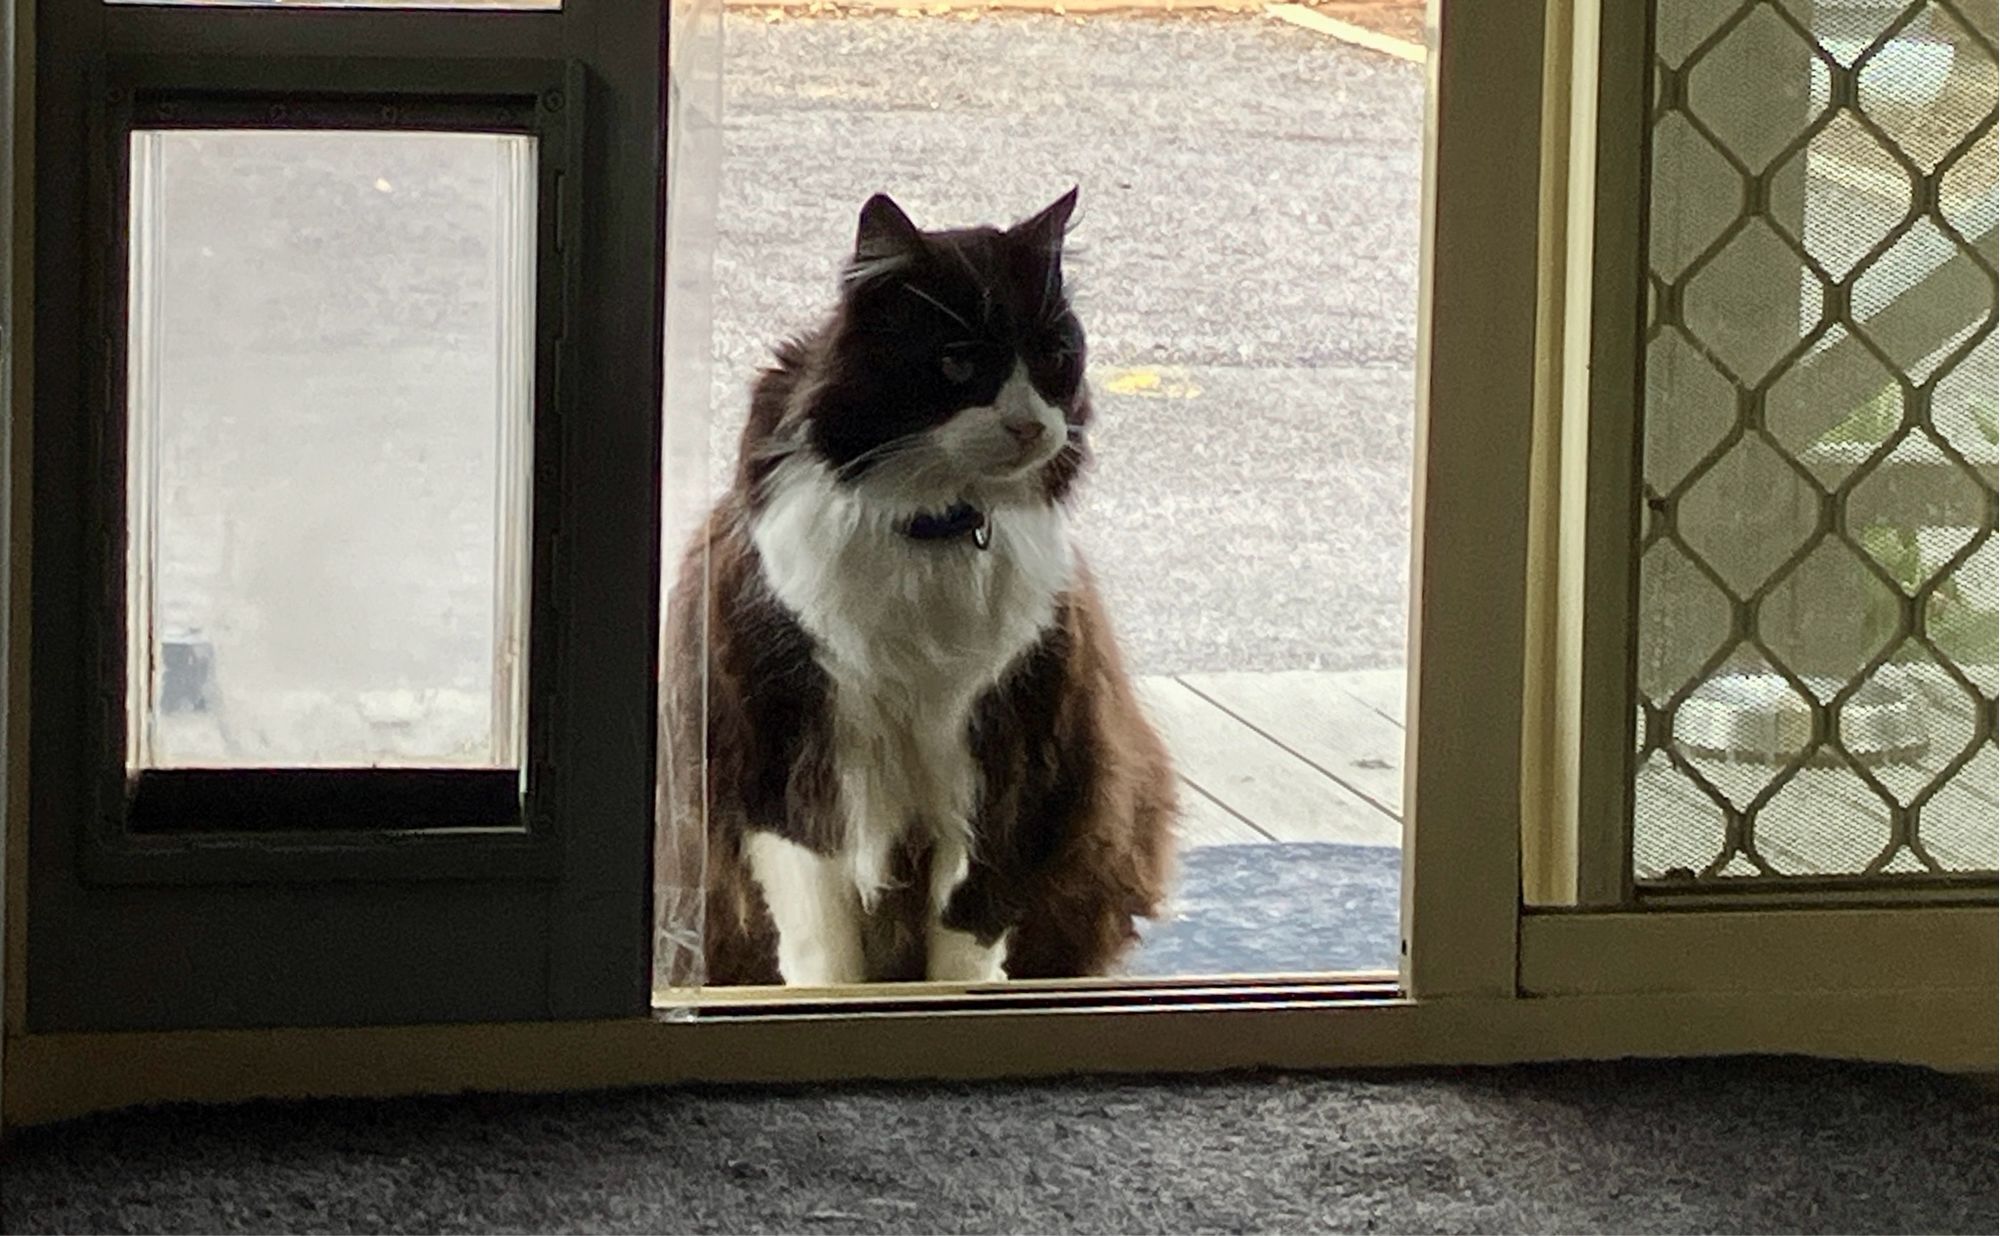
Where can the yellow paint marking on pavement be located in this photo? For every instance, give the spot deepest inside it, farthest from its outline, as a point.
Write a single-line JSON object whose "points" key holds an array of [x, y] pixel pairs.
{"points": [[1152, 383]]}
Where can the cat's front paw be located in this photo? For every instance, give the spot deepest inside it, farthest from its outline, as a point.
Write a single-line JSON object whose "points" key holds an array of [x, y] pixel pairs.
{"points": [[959, 957]]}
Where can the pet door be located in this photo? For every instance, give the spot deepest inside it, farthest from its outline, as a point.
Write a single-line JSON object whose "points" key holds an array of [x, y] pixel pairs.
{"points": [[329, 441], [1244, 260]]}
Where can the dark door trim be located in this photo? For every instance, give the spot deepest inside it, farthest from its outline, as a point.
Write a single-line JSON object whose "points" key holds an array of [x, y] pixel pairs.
{"points": [[404, 921]]}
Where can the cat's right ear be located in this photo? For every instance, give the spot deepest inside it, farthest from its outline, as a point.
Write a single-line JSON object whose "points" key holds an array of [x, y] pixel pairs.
{"points": [[885, 235]]}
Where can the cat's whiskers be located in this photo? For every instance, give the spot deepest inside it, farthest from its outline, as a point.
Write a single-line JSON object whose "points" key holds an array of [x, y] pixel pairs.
{"points": [[939, 305], [864, 269], [984, 284], [878, 453], [919, 482]]}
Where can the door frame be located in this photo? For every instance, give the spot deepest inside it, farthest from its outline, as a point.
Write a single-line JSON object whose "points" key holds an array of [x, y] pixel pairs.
{"points": [[1586, 931], [1481, 983], [17, 55]]}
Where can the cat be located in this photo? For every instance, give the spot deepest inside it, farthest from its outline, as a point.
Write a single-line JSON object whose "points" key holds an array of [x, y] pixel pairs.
{"points": [[925, 758]]}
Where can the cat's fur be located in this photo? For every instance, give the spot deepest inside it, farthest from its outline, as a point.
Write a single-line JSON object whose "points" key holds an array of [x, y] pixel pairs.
{"points": [[925, 759]]}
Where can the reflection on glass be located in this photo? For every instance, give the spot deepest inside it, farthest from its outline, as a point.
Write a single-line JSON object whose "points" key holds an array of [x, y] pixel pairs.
{"points": [[329, 400]]}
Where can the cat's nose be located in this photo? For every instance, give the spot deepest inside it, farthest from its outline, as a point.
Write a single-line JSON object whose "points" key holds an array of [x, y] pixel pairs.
{"points": [[1026, 432]]}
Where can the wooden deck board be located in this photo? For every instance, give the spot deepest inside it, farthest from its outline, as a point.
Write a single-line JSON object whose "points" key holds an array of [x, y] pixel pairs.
{"points": [[1958, 825], [1203, 821], [1317, 756], [1285, 797], [1310, 715], [1674, 824], [1826, 821], [1832, 823], [1380, 689], [1961, 826]]}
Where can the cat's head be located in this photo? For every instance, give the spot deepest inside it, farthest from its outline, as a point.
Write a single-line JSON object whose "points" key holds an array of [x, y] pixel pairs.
{"points": [[953, 368]]}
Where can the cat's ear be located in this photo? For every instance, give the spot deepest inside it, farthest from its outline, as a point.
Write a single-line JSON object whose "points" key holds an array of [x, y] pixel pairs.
{"points": [[885, 234], [1044, 231]]}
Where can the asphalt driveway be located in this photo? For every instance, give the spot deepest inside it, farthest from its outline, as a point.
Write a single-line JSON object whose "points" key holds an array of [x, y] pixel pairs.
{"points": [[1247, 273]]}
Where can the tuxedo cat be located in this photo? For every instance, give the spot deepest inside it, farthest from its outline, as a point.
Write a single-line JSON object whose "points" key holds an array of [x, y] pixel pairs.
{"points": [[925, 759]]}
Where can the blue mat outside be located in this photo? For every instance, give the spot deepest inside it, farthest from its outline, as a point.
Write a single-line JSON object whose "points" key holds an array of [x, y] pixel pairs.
{"points": [[1282, 908]]}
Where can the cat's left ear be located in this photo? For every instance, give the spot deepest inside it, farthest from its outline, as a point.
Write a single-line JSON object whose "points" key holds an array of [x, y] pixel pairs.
{"points": [[885, 233], [1045, 230]]}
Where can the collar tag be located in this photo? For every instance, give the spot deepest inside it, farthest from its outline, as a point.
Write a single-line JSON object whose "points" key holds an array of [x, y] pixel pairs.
{"points": [[961, 521]]}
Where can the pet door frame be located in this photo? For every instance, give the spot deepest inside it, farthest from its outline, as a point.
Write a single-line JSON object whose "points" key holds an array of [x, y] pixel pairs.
{"points": [[265, 821], [528, 903]]}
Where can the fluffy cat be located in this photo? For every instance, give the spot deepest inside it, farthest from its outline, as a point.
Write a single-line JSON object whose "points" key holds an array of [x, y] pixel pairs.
{"points": [[925, 759]]}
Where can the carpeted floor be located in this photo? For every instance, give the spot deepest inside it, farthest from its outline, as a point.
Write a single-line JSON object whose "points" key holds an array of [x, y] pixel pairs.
{"points": [[1732, 1146]]}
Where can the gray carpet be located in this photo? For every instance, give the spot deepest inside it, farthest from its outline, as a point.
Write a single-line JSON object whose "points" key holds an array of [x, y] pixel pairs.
{"points": [[1735, 1146]]}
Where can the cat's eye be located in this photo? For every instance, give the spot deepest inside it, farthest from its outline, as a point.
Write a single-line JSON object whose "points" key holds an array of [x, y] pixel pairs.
{"points": [[957, 370]]}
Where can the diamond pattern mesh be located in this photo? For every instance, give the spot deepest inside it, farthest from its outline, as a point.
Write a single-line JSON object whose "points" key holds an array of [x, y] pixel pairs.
{"points": [[1818, 593]]}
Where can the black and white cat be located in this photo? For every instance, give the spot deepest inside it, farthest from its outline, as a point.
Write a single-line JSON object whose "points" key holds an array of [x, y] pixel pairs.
{"points": [[925, 759]]}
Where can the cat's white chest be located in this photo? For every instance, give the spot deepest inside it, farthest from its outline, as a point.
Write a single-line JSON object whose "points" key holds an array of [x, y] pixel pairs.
{"points": [[911, 633]]}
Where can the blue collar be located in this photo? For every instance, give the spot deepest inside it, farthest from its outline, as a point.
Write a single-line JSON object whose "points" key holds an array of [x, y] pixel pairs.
{"points": [[962, 520]]}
